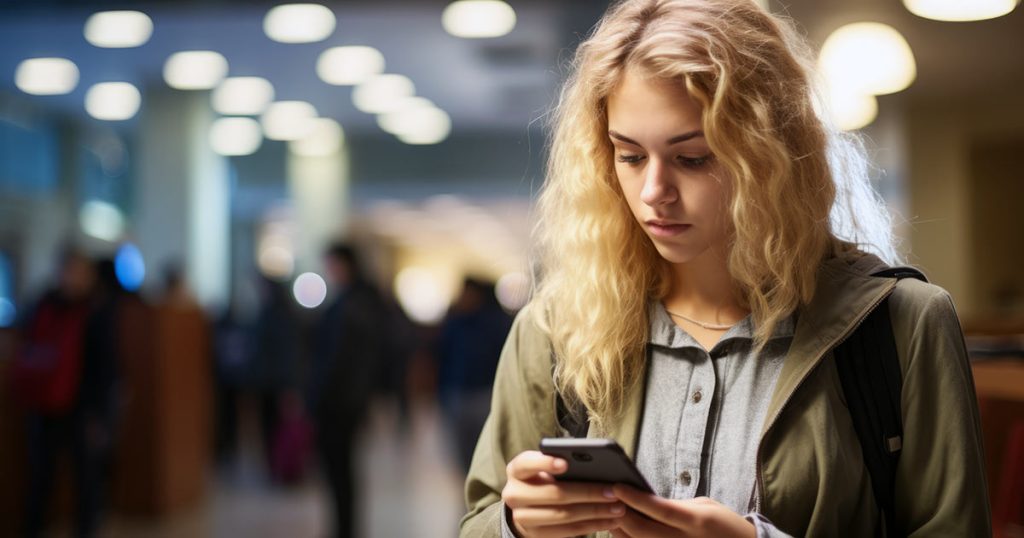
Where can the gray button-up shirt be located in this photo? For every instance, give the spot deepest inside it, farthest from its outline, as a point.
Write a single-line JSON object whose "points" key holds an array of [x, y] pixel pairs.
{"points": [[704, 410]]}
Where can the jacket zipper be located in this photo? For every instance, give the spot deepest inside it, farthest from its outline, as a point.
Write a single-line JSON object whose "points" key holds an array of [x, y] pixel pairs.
{"points": [[832, 345]]}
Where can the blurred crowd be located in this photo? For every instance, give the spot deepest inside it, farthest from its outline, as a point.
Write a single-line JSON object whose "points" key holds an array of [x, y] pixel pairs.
{"points": [[144, 397]]}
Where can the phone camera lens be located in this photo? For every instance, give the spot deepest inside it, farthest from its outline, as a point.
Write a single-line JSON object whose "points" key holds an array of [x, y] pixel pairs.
{"points": [[582, 457]]}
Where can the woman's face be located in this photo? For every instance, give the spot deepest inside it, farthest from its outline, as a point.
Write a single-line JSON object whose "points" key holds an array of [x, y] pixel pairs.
{"points": [[665, 167]]}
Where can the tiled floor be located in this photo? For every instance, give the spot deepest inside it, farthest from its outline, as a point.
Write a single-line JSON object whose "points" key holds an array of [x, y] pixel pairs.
{"points": [[410, 483]]}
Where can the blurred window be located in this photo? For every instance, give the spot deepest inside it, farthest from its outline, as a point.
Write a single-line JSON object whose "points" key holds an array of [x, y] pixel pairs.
{"points": [[29, 159], [7, 309]]}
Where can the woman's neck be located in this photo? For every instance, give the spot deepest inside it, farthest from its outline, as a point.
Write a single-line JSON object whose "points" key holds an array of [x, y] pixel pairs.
{"points": [[702, 289]]}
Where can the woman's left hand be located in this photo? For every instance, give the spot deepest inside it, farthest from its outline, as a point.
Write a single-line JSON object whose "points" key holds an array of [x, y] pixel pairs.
{"points": [[697, 517]]}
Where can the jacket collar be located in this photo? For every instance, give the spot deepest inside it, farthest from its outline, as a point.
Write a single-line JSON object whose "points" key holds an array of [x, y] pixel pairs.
{"points": [[844, 295]]}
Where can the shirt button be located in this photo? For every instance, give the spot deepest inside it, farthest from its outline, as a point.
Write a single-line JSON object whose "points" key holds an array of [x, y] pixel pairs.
{"points": [[697, 396], [685, 477]]}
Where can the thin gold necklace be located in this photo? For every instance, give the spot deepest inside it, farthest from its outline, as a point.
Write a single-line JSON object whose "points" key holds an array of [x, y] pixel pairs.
{"points": [[708, 326]]}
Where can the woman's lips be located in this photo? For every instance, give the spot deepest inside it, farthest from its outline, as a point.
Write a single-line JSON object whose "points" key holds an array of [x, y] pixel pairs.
{"points": [[666, 229]]}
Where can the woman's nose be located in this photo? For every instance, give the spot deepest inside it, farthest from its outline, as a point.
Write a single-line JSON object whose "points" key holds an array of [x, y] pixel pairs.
{"points": [[658, 188]]}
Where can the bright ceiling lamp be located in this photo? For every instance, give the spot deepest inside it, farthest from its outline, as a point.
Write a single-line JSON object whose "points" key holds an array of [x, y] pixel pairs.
{"points": [[242, 96], [288, 120], [235, 136], [348, 66], [382, 93], [46, 76], [101, 220], [309, 290], [422, 293], [118, 29], [324, 138], [867, 58], [112, 101], [478, 18], [960, 10], [417, 121], [400, 119], [195, 70], [275, 256], [850, 111], [299, 23], [433, 128]]}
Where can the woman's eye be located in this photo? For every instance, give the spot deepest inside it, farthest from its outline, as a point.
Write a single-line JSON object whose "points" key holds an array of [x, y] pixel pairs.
{"points": [[629, 159], [694, 162]]}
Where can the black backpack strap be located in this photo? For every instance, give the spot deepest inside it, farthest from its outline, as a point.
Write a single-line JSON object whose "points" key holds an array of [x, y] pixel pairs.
{"points": [[869, 370], [576, 424]]}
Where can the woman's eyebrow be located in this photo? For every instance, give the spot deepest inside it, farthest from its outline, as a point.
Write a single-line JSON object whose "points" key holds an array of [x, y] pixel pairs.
{"points": [[623, 138], [684, 137], [674, 140]]}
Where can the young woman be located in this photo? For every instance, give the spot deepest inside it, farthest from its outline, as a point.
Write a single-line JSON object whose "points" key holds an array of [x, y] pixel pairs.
{"points": [[702, 237]]}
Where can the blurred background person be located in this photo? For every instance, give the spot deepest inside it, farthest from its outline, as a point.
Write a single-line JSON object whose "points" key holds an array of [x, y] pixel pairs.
{"points": [[468, 347], [66, 373], [273, 365], [348, 349]]}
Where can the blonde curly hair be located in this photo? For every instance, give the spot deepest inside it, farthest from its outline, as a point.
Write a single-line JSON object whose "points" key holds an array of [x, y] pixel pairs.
{"points": [[750, 72]]}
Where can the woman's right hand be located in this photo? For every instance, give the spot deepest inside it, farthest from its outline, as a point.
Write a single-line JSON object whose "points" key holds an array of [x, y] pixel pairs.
{"points": [[542, 507]]}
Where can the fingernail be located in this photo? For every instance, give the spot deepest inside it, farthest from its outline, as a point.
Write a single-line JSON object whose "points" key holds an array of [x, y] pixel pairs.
{"points": [[559, 465], [618, 509], [608, 493]]}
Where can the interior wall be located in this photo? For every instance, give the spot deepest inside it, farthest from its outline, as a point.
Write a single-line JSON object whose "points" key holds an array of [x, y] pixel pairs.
{"points": [[997, 235], [943, 216]]}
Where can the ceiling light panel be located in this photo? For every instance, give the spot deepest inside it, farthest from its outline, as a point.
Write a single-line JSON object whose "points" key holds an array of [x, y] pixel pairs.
{"points": [[112, 101], [46, 76], [242, 96], [288, 120], [960, 10], [235, 136], [195, 70], [382, 93], [299, 23], [478, 18], [118, 29], [325, 137], [867, 58], [349, 66]]}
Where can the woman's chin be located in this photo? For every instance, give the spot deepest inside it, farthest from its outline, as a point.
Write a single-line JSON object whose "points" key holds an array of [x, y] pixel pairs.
{"points": [[675, 254]]}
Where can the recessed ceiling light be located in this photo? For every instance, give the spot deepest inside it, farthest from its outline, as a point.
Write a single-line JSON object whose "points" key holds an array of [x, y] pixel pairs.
{"points": [[348, 66], [195, 70], [867, 58], [309, 290], [960, 10], [324, 138], [382, 93], [101, 220], [416, 121], [235, 136], [288, 120], [46, 76], [299, 23], [432, 127], [118, 29], [850, 111], [478, 18], [242, 96], [112, 101]]}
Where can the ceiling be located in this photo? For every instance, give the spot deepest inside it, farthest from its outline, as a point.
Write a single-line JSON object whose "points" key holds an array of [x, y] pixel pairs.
{"points": [[491, 84]]}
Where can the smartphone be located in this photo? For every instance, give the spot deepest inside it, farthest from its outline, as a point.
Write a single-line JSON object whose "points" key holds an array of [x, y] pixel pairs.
{"points": [[594, 460]]}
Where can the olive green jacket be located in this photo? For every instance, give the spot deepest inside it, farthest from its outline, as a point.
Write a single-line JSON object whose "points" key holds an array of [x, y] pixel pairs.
{"points": [[811, 477]]}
